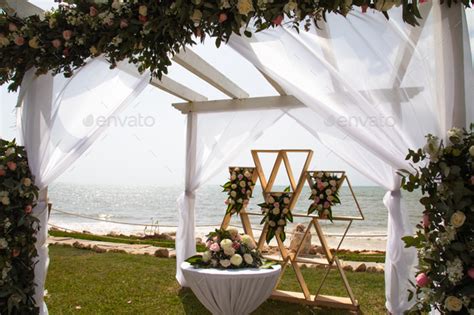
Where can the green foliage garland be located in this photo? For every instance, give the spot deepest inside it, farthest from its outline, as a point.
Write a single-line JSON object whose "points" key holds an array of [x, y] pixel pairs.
{"points": [[18, 227], [149, 32], [445, 237]]}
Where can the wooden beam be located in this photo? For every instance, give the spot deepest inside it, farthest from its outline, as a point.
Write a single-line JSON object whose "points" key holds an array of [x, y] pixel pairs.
{"points": [[177, 89], [201, 68], [269, 102], [166, 84]]}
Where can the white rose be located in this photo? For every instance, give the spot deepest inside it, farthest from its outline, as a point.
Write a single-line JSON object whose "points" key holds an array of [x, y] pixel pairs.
{"points": [[233, 186], [471, 150], [328, 192], [313, 191], [432, 148], [457, 219], [248, 259], [247, 174], [453, 304], [248, 241], [285, 210], [225, 263], [196, 17], [320, 175], [27, 182], [143, 10], [271, 200], [272, 223], [233, 177], [226, 243], [229, 251], [4, 41], [5, 201], [233, 232], [286, 200], [3, 243], [276, 211], [116, 5], [281, 222], [237, 169], [206, 256], [9, 151], [330, 198], [332, 182], [455, 135], [233, 194], [242, 184], [239, 200], [236, 260]]}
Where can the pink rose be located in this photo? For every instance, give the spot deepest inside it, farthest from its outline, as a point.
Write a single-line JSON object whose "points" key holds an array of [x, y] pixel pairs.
{"points": [[320, 186], [422, 280], [226, 201], [222, 17], [67, 34], [240, 177], [208, 244], [2, 172], [12, 27], [56, 43], [93, 11], [215, 247], [326, 204], [11, 166], [316, 200], [28, 209], [278, 20], [123, 23], [426, 221], [66, 52], [470, 273], [16, 252], [243, 190], [19, 41], [236, 245], [142, 18]]}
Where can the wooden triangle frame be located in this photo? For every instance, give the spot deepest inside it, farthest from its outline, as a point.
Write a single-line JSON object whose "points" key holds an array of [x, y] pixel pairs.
{"points": [[291, 258]]}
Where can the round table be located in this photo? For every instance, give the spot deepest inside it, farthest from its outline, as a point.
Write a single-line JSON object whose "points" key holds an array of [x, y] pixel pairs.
{"points": [[231, 292]]}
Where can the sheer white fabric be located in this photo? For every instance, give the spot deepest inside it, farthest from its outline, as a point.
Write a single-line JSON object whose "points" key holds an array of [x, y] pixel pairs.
{"points": [[373, 89], [231, 292], [213, 140], [59, 120]]}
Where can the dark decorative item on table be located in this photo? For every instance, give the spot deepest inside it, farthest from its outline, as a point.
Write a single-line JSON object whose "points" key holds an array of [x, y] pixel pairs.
{"points": [[18, 196], [276, 213], [444, 171], [77, 30], [324, 193], [227, 249], [239, 187]]}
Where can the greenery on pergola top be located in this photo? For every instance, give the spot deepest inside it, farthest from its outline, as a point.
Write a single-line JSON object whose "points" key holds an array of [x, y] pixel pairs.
{"points": [[149, 32]]}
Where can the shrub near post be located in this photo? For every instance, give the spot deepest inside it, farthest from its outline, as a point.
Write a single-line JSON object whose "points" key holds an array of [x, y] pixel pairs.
{"points": [[445, 236], [18, 227]]}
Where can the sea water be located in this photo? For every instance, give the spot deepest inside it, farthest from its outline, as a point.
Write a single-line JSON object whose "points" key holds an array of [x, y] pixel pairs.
{"points": [[93, 207]]}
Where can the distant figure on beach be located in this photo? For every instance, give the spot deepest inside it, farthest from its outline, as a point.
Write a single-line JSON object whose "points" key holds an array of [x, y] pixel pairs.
{"points": [[297, 238]]}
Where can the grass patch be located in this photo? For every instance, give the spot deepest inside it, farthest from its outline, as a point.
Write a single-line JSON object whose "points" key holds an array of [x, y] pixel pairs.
{"points": [[124, 239], [376, 258], [85, 282]]}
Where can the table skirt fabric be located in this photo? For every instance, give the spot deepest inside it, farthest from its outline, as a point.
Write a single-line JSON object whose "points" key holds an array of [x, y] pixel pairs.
{"points": [[231, 292]]}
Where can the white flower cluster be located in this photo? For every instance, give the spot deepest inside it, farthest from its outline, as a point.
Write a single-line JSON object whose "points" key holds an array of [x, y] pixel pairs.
{"points": [[454, 270], [448, 236], [4, 199]]}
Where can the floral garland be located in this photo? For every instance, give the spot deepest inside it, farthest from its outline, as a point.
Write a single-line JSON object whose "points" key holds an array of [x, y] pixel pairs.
{"points": [[227, 249], [240, 188], [149, 32], [276, 214], [445, 237], [324, 193], [18, 227]]}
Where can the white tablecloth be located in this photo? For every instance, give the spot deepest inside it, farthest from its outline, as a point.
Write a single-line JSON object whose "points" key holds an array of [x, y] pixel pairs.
{"points": [[231, 292]]}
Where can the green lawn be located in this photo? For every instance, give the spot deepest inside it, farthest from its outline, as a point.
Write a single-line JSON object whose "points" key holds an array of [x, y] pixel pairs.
{"points": [[85, 282]]}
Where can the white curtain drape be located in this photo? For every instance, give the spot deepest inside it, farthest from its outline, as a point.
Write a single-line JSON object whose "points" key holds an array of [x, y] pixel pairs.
{"points": [[373, 88], [213, 140], [59, 120]]}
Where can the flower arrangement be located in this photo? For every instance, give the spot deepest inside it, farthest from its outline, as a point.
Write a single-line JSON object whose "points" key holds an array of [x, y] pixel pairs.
{"points": [[81, 29], [276, 213], [227, 249], [18, 227], [239, 188], [445, 236], [324, 193]]}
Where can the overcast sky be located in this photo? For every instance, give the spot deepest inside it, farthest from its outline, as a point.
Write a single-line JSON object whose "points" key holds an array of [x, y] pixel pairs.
{"points": [[154, 153]]}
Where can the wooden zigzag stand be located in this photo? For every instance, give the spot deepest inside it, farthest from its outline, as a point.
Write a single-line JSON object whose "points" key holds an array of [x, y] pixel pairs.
{"points": [[291, 257]]}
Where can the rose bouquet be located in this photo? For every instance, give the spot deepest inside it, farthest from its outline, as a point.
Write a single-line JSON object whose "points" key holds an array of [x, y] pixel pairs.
{"points": [[276, 213], [239, 188], [445, 236], [18, 227], [227, 249], [324, 193]]}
